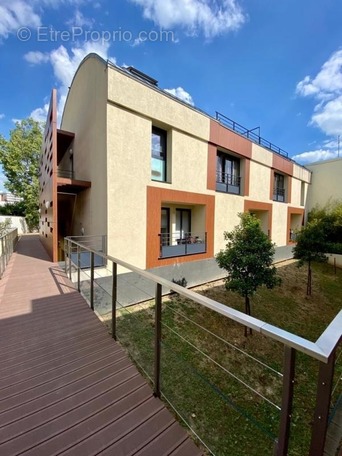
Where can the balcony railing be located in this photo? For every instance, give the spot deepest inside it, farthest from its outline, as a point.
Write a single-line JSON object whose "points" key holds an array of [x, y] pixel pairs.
{"points": [[249, 134], [279, 194], [228, 183], [176, 244]]}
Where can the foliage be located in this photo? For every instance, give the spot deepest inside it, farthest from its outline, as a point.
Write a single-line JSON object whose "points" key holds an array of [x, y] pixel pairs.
{"points": [[311, 246], [4, 226], [248, 259], [330, 217], [19, 156], [15, 209]]}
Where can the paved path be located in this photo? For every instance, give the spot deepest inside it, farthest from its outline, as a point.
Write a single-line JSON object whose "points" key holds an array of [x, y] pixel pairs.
{"points": [[65, 386]]}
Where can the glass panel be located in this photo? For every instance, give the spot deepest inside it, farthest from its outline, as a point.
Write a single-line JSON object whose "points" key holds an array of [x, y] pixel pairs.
{"points": [[183, 223], [158, 146], [165, 226]]}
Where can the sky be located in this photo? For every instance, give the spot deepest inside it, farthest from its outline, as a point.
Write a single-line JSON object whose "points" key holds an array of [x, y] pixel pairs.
{"points": [[271, 64]]}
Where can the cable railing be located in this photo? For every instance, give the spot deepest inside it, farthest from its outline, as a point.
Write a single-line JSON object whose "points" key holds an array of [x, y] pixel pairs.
{"points": [[8, 242], [232, 397], [249, 134]]}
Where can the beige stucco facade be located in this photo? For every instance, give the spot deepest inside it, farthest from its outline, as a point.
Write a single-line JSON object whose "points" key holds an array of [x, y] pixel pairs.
{"points": [[326, 183], [111, 113]]}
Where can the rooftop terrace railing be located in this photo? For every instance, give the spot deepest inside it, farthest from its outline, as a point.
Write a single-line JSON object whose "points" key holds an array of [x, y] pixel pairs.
{"points": [[7, 244], [256, 402], [249, 134]]}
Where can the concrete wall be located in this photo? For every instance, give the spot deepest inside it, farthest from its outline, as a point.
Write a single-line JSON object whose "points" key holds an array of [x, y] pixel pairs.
{"points": [[17, 222], [326, 183], [133, 108], [332, 257], [85, 115]]}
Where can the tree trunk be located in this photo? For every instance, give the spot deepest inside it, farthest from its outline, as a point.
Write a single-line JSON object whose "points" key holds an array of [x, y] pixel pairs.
{"points": [[247, 312], [309, 284]]}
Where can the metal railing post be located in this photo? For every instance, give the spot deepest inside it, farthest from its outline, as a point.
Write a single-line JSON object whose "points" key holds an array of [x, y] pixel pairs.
{"points": [[78, 269], [92, 280], [114, 299], [157, 339], [323, 399], [69, 254], [287, 401], [65, 255]]}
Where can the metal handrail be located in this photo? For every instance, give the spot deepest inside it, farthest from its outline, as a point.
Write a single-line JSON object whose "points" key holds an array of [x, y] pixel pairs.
{"points": [[324, 350], [249, 134], [7, 245], [319, 350]]}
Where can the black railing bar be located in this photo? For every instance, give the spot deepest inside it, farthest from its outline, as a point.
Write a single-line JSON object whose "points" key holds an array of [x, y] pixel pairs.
{"points": [[231, 124], [221, 367], [283, 336], [226, 342]]}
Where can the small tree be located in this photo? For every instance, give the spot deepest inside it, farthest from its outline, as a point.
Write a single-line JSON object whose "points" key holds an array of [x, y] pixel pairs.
{"points": [[311, 246], [19, 156], [248, 259]]}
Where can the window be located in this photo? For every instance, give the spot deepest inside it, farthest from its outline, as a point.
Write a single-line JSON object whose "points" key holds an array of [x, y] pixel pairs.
{"points": [[159, 155], [228, 173], [279, 188]]}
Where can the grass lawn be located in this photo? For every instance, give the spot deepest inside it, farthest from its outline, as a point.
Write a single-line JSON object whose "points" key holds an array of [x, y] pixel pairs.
{"points": [[228, 387]]}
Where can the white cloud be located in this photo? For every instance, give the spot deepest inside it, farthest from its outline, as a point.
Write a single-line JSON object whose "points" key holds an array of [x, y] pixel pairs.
{"points": [[36, 57], [40, 114], [15, 14], [326, 89], [315, 155], [65, 64], [79, 20], [212, 17], [2, 116], [180, 93]]}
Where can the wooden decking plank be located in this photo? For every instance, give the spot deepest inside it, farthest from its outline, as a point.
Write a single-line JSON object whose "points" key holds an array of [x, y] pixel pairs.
{"points": [[115, 430], [8, 384], [66, 404], [64, 391], [20, 354], [28, 391], [142, 435], [65, 386], [75, 426]]}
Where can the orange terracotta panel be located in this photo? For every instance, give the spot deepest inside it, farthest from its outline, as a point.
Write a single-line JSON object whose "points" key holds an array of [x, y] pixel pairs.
{"points": [[211, 176], [259, 206], [281, 164], [292, 211], [156, 197], [223, 137]]}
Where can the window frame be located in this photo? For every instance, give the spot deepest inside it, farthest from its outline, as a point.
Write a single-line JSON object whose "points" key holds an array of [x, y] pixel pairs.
{"points": [[162, 155]]}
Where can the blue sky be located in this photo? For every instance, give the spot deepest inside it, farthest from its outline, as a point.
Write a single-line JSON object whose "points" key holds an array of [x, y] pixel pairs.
{"points": [[273, 64]]}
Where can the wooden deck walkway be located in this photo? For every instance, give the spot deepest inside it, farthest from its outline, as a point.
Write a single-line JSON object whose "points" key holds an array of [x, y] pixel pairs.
{"points": [[65, 386]]}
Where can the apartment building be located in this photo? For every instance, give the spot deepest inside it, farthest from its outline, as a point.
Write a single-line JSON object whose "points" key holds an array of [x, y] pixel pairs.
{"points": [[160, 178], [326, 183]]}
